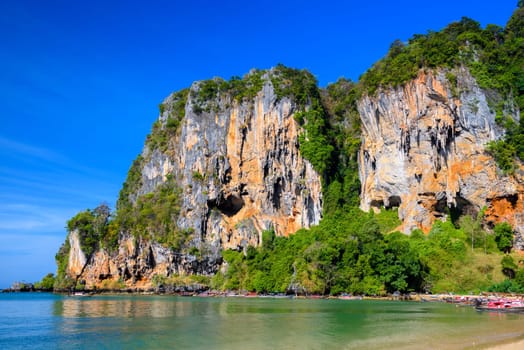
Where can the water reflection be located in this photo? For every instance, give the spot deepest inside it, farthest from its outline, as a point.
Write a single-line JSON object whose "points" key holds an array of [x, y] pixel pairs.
{"points": [[155, 307], [239, 323]]}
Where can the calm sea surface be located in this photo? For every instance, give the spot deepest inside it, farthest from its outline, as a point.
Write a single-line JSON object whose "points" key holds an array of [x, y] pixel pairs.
{"points": [[48, 321]]}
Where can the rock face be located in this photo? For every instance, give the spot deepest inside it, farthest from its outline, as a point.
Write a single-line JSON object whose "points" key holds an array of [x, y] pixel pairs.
{"points": [[424, 151], [239, 171], [77, 259], [134, 265]]}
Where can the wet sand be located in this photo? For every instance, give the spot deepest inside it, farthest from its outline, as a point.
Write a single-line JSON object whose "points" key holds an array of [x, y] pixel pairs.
{"points": [[516, 345]]}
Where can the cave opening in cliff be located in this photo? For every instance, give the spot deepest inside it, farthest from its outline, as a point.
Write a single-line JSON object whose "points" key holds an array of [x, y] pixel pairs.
{"points": [[376, 203], [393, 202], [441, 207], [229, 205], [462, 207], [455, 211]]}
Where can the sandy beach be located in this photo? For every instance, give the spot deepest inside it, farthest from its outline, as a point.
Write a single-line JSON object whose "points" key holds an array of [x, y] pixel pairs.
{"points": [[517, 345]]}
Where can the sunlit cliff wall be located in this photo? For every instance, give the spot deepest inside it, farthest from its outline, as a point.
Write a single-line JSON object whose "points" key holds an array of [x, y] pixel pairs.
{"points": [[424, 151]]}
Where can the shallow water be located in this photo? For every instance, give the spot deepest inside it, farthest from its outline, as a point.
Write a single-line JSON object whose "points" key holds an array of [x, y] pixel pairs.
{"points": [[42, 320]]}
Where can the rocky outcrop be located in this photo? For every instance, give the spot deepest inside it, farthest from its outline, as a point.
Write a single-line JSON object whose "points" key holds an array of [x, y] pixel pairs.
{"points": [[241, 171], [237, 166], [134, 265], [424, 151]]}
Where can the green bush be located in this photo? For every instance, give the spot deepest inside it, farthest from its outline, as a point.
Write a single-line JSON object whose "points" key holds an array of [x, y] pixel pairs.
{"points": [[504, 236], [47, 282]]}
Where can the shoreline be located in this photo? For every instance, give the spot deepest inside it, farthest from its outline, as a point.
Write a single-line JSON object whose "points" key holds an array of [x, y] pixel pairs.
{"points": [[508, 344], [461, 299]]}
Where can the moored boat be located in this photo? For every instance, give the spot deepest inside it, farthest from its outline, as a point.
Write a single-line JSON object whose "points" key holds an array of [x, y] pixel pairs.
{"points": [[80, 294], [502, 305]]}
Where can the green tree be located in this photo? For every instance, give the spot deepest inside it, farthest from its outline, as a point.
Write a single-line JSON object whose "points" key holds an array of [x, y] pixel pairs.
{"points": [[472, 227], [400, 267], [504, 236], [92, 227]]}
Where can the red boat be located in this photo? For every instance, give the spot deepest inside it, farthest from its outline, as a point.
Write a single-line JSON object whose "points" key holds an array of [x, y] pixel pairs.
{"points": [[502, 305]]}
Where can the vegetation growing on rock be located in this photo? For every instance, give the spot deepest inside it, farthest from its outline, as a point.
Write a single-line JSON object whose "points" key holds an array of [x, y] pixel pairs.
{"points": [[62, 279], [172, 113], [153, 215]]}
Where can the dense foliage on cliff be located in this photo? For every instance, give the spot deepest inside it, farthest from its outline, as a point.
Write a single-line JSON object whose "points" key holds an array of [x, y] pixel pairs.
{"points": [[172, 113], [343, 188], [91, 226], [153, 215], [62, 279], [351, 252], [495, 57]]}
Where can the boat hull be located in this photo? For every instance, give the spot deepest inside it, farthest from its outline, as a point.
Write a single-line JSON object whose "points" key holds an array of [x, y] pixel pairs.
{"points": [[500, 309]]}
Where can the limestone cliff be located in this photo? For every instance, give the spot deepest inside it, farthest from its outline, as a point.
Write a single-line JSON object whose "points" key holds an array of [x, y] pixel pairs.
{"points": [[240, 170], [235, 165], [424, 151]]}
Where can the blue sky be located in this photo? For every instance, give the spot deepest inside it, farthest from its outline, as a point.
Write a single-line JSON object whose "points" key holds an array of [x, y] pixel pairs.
{"points": [[80, 84]]}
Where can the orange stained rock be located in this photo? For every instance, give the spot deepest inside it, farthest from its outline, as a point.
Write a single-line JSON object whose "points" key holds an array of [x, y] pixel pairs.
{"points": [[420, 173]]}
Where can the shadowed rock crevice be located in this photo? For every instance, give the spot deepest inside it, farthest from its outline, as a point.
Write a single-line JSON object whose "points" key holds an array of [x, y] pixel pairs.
{"points": [[393, 202], [277, 193], [376, 203], [462, 207], [228, 205]]}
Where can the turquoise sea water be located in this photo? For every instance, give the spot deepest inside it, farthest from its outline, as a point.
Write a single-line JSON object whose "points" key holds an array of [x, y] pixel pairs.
{"points": [[48, 321]]}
